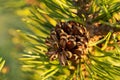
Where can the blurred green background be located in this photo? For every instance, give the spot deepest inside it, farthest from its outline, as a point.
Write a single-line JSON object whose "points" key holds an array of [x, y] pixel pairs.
{"points": [[10, 44]]}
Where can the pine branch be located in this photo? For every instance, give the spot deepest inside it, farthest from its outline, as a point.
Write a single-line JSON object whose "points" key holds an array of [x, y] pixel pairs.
{"points": [[101, 58]]}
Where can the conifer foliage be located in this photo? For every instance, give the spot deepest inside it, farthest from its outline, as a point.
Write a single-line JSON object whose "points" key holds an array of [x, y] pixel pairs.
{"points": [[73, 40]]}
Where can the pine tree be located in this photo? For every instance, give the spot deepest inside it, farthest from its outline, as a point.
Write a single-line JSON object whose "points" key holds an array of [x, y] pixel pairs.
{"points": [[73, 40]]}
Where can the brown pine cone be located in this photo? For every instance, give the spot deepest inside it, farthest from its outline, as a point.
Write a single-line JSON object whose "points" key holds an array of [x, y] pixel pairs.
{"points": [[67, 42]]}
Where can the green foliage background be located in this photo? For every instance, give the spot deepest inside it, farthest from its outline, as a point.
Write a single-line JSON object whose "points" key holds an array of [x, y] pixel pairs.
{"points": [[10, 49]]}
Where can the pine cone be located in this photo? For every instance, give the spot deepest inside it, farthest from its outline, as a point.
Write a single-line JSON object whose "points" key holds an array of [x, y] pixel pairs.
{"points": [[67, 42]]}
